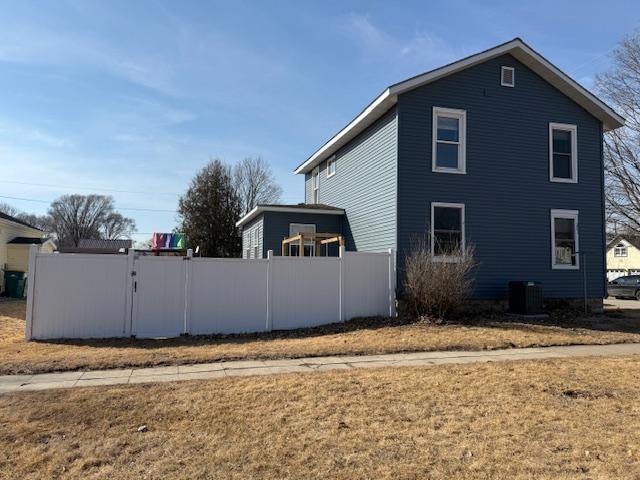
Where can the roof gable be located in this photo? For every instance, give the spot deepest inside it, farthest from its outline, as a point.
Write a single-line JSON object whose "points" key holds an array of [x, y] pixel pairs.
{"points": [[516, 47], [17, 221], [632, 240]]}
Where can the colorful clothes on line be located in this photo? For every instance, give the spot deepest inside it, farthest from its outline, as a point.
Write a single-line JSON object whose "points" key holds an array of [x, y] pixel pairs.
{"points": [[168, 241]]}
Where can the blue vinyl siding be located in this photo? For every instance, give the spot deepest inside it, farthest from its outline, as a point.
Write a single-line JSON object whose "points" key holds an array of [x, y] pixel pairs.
{"points": [[506, 191], [276, 226], [365, 186]]}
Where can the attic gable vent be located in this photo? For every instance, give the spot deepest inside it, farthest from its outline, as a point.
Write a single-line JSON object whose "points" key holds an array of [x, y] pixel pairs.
{"points": [[507, 77]]}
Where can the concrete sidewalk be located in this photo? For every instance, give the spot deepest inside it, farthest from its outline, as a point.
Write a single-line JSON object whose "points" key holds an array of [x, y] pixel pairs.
{"points": [[21, 383]]}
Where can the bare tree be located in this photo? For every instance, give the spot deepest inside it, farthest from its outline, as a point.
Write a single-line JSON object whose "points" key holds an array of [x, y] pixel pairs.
{"points": [[9, 209], [254, 182], [74, 217], [43, 222], [115, 226], [621, 87]]}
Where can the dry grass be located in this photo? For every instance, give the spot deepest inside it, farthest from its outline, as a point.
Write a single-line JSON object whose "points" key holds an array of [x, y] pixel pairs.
{"points": [[356, 337], [560, 419]]}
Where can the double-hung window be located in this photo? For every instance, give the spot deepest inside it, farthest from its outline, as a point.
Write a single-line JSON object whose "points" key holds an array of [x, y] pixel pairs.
{"points": [[620, 250], [449, 140], [447, 230], [315, 180], [564, 239], [331, 167], [563, 153], [255, 243]]}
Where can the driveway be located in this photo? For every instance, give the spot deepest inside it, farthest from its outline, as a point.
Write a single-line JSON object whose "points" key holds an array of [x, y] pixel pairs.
{"points": [[630, 308]]}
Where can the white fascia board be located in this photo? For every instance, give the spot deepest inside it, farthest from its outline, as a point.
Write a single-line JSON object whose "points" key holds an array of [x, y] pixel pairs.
{"points": [[273, 208], [381, 104], [520, 50]]}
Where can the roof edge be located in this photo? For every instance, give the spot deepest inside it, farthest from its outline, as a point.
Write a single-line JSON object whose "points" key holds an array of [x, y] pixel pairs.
{"points": [[523, 52], [284, 209]]}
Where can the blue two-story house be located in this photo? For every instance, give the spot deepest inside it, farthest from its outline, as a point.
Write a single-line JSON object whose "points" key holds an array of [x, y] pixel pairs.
{"points": [[501, 150]]}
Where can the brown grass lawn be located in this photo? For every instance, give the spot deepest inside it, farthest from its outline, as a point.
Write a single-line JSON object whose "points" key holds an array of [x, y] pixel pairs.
{"points": [[556, 419], [355, 337]]}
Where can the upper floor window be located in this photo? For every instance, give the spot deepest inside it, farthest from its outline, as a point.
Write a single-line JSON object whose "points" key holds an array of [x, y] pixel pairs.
{"points": [[331, 167], [315, 187], [449, 139], [564, 239], [563, 153], [447, 230], [620, 250]]}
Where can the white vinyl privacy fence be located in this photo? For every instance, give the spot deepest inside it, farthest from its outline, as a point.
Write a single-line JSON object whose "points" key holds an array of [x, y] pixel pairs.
{"points": [[102, 296]]}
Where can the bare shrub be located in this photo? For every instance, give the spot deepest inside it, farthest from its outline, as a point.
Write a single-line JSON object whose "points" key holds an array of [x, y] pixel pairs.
{"points": [[438, 287]]}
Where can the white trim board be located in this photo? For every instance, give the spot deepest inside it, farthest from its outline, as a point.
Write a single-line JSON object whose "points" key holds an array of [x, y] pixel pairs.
{"points": [[463, 239], [573, 130], [516, 47], [275, 208], [569, 214]]}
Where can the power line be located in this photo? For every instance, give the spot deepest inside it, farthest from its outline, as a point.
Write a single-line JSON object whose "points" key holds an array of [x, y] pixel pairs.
{"points": [[119, 208], [67, 187]]}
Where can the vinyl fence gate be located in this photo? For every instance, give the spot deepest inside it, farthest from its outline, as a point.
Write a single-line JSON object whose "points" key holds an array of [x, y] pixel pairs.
{"points": [[102, 296]]}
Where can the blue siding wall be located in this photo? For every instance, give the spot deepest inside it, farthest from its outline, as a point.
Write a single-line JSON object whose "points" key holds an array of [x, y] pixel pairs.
{"points": [[506, 191], [365, 186], [276, 226]]}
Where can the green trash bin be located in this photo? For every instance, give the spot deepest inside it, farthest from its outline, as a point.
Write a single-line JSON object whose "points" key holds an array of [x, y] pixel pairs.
{"points": [[14, 283]]}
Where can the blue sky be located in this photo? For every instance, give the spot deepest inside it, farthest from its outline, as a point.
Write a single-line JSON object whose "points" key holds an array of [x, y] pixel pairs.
{"points": [[132, 98]]}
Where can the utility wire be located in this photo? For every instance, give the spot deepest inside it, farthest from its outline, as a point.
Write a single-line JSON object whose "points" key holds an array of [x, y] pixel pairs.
{"points": [[66, 187], [118, 208]]}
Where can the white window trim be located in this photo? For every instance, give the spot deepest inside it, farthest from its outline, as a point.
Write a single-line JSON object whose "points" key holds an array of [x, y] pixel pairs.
{"points": [[315, 185], [573, 129], [621, 252], [571, 214], [461, 115], [513, 77], [443, 258], [331, 161]]}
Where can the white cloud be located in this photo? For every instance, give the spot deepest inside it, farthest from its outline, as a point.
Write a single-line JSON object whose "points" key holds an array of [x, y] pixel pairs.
{"points": [[30, 135], [421, 48]]}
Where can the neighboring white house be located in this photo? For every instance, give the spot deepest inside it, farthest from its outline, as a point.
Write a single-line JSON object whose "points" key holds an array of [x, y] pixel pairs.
{"points": [[15, 238]]}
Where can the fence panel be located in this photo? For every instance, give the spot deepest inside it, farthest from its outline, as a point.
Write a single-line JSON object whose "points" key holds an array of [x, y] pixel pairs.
{"points": [[228, 296], [99, 296], [366, 284], [159, 298], [305, 291], [79, 296]]}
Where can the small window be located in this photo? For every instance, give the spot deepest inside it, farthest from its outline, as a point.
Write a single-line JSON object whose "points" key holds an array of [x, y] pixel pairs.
{"points": [[315, 180], [255, 244], [620, 250], [449, 132], [507, 76], [563, 155], [447, 229], [331, 167], [564, 239], [309, 245]]}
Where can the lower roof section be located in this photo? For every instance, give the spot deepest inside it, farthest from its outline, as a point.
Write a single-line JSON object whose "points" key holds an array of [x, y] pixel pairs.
{"points": [[316, 208]]}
